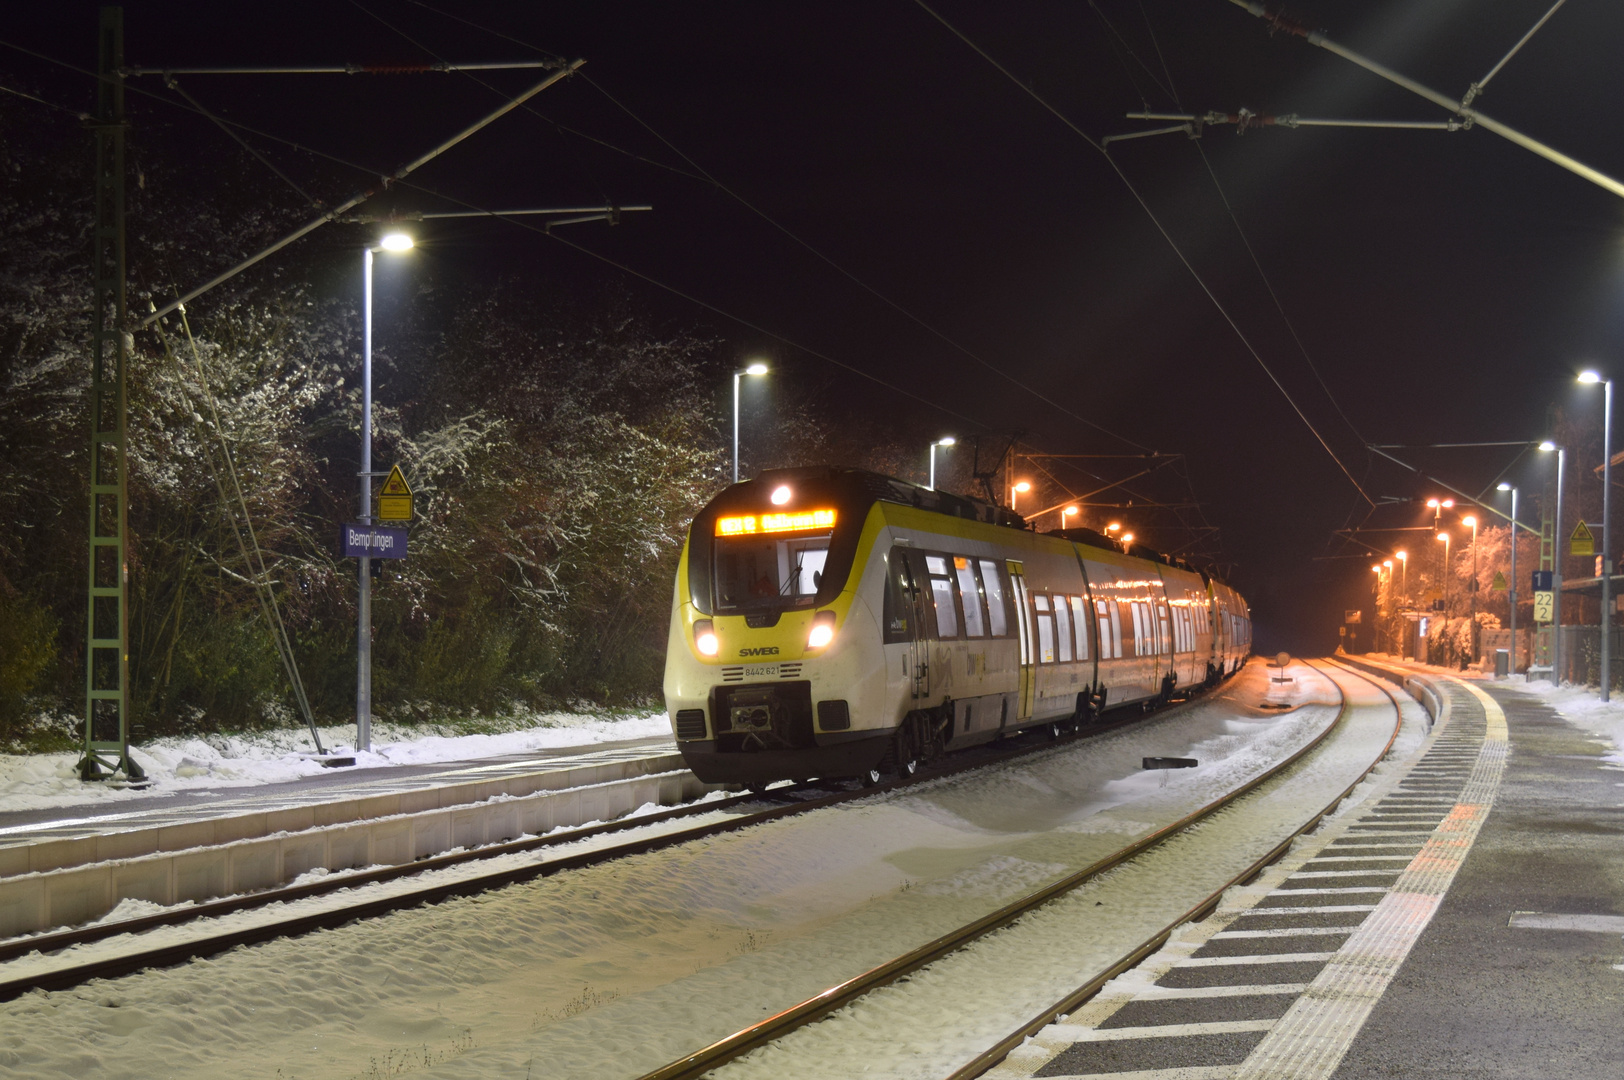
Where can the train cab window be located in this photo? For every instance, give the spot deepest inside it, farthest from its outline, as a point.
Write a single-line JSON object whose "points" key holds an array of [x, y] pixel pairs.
{"points": [[1045, 628], [1062, 628], [1079, 623], [970, 594], [997, 613], [941, 595], [766, 572]]}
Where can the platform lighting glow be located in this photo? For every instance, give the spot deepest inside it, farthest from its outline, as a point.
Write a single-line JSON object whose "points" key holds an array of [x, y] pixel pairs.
{"points": [[1387, 563], [781, 495], [1023, 486], [396, 241], [1127, 538], [1444, 537], [1469, 521], [1401, 555], [1448, 503], [1113, 527], [1068, 511], [1375, 569], [946, 440], [1502, 486], [1589, 378], [1548, 446], [757, 368]]}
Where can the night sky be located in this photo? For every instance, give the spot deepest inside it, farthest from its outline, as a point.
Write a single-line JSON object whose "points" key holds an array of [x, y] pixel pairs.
{"points": [[1446, 285]]}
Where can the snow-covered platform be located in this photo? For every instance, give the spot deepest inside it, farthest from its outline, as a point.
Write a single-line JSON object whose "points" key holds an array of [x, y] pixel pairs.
{"points": [[51, 838], [1465, 919]]}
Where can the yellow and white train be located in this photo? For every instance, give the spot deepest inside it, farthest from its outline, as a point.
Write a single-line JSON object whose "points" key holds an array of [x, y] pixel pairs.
{"points": [[832, 623]]}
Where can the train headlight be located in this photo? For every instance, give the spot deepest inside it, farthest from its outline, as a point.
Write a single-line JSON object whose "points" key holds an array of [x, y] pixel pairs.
{"points": [[823, 630], [705, 639]]}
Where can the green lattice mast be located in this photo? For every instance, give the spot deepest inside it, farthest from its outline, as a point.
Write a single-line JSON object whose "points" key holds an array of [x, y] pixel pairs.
{"points": [[107, 623]]}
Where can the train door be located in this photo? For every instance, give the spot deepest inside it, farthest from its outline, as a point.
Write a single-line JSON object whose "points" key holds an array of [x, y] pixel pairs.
{"points": [[1023, 630], [911, 598]]}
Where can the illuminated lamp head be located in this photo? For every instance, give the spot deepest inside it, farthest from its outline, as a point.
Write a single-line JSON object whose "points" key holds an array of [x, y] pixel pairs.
{"points": [[781, 495], [823, 630], [1127, 538]]}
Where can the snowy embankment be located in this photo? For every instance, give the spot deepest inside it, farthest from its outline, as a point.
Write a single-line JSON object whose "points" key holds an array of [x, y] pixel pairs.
{"points": [[36, 781]]}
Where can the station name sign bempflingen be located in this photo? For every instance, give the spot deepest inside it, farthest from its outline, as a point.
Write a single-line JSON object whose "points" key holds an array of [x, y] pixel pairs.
{"points": [[374, 541]]}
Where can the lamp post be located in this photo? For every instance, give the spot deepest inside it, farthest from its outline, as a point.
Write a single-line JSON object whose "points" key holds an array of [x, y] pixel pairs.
{"points": [[363, 624], [1556, 574], [1444, 536], [945, 440], [1403, 558], [1591, 378], [1472, 521], [1512, 595], [1066, 512], [757, 368], [1018, 487]]}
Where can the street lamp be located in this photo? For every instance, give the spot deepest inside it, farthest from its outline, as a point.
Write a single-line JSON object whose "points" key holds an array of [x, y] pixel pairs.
{"points": [[1066, 512], [1445, 538], [945, 440], [1512, 595], [757, 368], [1590, 378], [1127, 538], [1471, 520], [394, 242], [1020, 486], [1115, 526], [1556, 574]]}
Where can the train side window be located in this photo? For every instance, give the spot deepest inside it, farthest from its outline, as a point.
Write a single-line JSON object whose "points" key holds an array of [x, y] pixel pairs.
{"points": [[1101, 613], [1062, 628], [941, 595], [1164, 638], [1079, 623], [975, 625], [997, 612], [1045, 622]]}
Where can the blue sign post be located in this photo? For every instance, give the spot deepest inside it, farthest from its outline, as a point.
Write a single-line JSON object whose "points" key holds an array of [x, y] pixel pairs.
{"points": [[374, 541]]}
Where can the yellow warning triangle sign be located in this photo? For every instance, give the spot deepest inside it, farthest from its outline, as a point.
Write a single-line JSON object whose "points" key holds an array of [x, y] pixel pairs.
{"points": [[396, 485], [395, 500], [1499, 583], [1583, 541]]}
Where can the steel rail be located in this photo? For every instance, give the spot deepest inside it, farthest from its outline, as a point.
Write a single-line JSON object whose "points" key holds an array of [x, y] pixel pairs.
{"points": [[821, 1005], [298, 924], [1074, 1000]]}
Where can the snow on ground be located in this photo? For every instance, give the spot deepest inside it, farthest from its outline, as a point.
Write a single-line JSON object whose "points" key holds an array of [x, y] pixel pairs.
{"points": [[1582, 707], [679, 946], [36, 781]]}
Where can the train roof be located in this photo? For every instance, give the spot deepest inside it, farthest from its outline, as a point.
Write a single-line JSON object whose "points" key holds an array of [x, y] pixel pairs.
{"points": [[884, 488]]}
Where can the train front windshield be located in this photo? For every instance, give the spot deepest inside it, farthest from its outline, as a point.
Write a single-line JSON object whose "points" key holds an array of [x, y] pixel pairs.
{"points": [[755, 573]]}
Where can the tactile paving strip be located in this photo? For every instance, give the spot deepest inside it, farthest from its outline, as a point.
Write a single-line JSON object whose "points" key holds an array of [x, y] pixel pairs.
{"points": [[1280, 986]]}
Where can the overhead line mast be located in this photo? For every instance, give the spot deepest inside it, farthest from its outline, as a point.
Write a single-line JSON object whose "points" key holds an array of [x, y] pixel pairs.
{"points": [[107, 615]]}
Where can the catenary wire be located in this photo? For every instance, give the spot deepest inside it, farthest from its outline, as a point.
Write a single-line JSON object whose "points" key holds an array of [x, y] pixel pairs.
{"points": [[1167, 236], [819, 254]]}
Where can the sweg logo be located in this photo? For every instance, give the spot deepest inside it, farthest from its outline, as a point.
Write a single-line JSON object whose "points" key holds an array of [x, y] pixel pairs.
{"points": [[765, 650]]}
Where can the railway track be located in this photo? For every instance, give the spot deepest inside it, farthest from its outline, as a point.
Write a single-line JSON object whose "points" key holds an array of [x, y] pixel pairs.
{"points": [[773, 1029], [79, 965]]}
